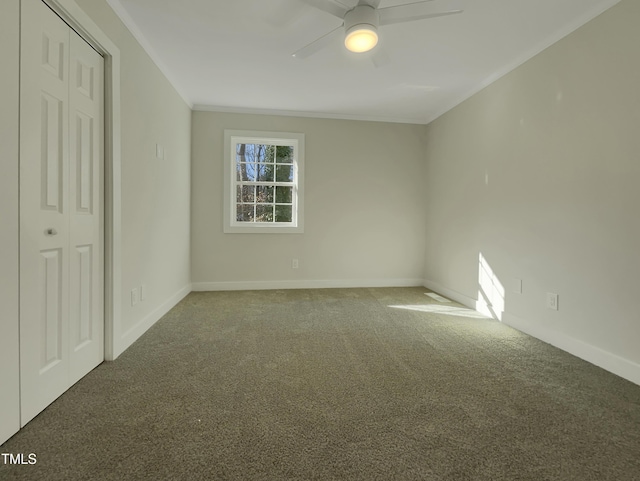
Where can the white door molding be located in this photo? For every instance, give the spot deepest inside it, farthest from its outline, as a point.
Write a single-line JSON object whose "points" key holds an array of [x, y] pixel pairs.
{"points": [[9, 208]]}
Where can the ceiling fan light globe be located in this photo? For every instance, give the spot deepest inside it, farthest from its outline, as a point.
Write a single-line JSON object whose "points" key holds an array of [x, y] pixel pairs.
{"points": [[361, 38]]}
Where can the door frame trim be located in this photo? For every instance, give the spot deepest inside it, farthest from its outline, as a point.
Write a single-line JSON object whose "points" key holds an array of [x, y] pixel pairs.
{"points": [[78, 20]]}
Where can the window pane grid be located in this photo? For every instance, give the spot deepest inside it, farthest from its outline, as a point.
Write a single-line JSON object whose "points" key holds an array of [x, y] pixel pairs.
{"points": [[265, 183]]}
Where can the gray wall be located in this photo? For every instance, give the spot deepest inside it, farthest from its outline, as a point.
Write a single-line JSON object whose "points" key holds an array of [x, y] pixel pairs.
{"points": [[540, 174], [364, 222], [155, 193]]}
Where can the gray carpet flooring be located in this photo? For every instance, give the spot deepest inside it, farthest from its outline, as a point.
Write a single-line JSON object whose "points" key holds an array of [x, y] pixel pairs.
{"points": [[335, 384]]}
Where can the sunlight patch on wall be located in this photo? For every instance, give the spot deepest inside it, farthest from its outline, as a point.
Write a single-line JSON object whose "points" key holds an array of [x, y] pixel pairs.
{"points": [[490, 291]]}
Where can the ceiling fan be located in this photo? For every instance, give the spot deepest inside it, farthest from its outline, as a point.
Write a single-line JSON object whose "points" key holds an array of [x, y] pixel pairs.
{"points": [[360, 21]]}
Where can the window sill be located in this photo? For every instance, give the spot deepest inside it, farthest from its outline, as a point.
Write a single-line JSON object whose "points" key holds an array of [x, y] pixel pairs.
{"points": [[267, 229]]}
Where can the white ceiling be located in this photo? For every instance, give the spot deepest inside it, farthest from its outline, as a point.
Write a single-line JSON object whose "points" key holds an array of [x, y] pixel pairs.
{"points": [[235, 55]]}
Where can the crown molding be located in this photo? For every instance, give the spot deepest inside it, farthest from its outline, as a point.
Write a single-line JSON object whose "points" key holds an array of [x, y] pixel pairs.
{"points": [[315, 115]]}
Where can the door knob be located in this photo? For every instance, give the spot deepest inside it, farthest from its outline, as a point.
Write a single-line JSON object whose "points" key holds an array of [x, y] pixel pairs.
{"points": [[51, 231]]}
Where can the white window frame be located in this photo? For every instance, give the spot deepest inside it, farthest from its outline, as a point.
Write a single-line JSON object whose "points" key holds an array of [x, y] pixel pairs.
{"points": [[234, 137]]}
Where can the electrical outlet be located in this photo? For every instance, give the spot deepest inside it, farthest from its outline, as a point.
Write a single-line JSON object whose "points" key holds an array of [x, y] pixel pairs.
{"points": [[135, 296], [552, 301], [143, 292], [294, 263]]}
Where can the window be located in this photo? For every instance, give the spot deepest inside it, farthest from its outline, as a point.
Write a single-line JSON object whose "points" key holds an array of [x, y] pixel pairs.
{"points": [[263, 182]]}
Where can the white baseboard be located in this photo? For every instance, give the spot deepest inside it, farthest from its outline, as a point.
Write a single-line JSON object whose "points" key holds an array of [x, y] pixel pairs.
{"points": [[606, 360], [594, 355], [450, 294], [144, 324], [303, 284]]}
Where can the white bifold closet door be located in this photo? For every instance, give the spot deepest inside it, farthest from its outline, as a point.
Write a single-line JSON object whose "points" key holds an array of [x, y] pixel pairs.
{"points": [[61, 208]]}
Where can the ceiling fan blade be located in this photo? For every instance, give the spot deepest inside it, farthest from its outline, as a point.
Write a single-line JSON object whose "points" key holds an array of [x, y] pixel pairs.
{"points": [[333, 7], [418, 11], [319, 44]]}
